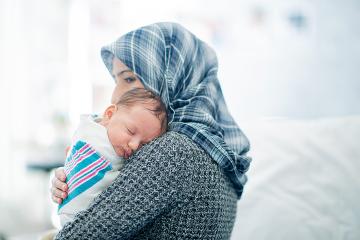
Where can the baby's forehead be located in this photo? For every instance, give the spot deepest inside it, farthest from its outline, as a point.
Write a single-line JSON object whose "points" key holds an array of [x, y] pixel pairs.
{"points": [[144, 119], [146, 105], [139, 107]]}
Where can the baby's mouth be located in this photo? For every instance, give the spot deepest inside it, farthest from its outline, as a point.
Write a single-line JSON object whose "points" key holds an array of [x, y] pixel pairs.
{"points": [[120, 151], [127, 153]]}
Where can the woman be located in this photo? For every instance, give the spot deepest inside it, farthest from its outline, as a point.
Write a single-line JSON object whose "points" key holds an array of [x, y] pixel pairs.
{"points": [[185, 184]]}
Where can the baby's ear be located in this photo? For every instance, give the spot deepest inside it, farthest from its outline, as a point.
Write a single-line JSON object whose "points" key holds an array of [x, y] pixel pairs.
{"points": [[109, 112]]}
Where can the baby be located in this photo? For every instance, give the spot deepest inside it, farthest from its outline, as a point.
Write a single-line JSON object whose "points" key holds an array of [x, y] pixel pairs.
{"points": [[100, 145]]}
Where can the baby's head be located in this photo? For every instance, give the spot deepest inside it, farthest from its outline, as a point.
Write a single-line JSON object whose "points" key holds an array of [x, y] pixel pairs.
{"points": [[135, 119]]}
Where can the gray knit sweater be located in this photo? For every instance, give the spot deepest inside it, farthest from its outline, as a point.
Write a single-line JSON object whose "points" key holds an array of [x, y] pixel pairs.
{"points": [[170, 189]]}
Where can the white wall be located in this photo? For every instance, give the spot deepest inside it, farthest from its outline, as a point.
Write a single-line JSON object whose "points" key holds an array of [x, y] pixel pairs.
{"points": [[268, 68], [31, 67]]}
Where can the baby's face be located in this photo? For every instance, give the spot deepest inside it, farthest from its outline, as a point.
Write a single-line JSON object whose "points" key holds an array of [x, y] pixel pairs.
{"points": [[131, 127]]}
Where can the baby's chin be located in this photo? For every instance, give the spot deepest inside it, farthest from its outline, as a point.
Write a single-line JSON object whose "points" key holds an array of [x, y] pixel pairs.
{"points": [[126, 156]]}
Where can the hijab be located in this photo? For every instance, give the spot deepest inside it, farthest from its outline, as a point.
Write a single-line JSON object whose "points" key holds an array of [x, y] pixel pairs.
{"points": [[172, 62]]}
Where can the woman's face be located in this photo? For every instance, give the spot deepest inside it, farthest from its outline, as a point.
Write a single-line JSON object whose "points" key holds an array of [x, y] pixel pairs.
{"points": [[125, 80]]}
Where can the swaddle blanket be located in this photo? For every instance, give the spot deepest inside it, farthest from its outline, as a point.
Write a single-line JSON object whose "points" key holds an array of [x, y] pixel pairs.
{"points": [[90, 166]]}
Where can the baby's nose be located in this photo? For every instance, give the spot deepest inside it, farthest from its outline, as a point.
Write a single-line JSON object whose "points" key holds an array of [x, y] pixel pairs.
{"points": [[134, 145]]}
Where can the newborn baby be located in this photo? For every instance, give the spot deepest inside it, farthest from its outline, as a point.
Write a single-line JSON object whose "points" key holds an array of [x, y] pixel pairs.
{"points": [[100, 146]]}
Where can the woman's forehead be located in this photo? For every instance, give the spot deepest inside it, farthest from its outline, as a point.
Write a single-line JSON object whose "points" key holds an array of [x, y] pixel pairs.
{"points": [[117, 65]]}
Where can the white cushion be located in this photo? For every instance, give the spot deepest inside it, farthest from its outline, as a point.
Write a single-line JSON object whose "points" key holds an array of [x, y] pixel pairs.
{"points": [[303, 181]]}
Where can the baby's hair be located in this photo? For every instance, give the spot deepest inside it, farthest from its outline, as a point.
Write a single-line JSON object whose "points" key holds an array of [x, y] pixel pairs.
{"points": [[144, 96]]}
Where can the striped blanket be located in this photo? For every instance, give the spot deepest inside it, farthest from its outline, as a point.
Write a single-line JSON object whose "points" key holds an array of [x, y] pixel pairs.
{"points": [[84, 167], [90, 167]]}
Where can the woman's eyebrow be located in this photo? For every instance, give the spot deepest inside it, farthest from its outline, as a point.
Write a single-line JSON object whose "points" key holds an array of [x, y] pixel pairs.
{"points": [[123, 71]]}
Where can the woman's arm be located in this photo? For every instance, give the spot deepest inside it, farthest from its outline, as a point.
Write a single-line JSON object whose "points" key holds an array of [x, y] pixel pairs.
{"points": [[151, 182]]}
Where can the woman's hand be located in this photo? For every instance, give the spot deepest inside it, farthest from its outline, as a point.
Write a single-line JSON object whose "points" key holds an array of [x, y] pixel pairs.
{"points": [[58, 186]]}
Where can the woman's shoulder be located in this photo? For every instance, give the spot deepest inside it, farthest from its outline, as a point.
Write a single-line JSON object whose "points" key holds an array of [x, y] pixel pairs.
{"points": [[174, 136], [178, 141], [177, 145], [177, 152], [172, 149], [176, 156]]}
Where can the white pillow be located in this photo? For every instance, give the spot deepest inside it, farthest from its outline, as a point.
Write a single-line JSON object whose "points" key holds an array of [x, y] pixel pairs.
{"points": [[303, 181]]}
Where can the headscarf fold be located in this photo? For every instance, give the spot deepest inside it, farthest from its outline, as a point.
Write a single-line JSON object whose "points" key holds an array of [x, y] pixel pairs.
{"points": [[182, 69]]}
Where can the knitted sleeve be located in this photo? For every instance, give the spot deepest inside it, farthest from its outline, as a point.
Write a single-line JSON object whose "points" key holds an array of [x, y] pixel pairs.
{"points": [[151, 182]]}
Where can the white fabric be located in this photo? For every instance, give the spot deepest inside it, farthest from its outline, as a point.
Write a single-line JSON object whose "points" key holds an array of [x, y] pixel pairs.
{"points": [[90, 131], [95, 134], [303, 182]]}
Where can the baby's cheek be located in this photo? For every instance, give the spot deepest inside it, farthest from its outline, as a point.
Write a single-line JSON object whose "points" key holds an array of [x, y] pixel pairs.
{"points": [[116, 143], [118, 151], [113, 136]]}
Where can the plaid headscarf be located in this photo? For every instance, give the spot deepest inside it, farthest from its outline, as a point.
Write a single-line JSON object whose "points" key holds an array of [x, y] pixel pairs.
{"points": [[182, 69]]}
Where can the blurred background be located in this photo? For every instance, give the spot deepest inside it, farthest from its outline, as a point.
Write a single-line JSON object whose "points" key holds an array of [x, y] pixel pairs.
{"points": [[296, 59]]}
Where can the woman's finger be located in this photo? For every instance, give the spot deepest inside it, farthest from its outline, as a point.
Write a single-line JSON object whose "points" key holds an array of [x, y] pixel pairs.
{"points": [[58, 193], [60, 174], [56, 199], [56, 183], [67, 150]]}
